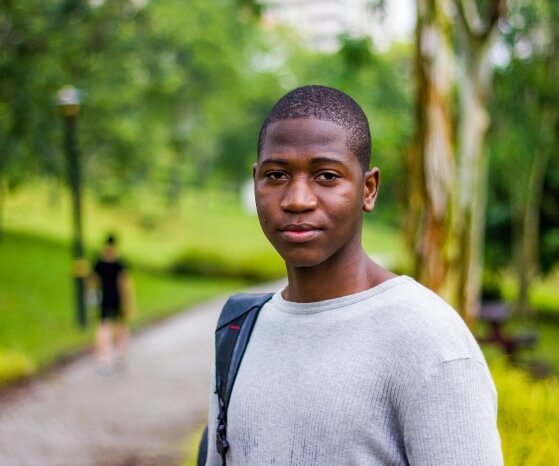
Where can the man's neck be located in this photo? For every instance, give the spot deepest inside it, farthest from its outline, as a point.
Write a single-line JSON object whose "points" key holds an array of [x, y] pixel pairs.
{"points": [[312, 284]]}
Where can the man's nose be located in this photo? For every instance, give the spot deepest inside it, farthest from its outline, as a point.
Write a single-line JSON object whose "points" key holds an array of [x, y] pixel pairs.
{"points": [[299, 196]]}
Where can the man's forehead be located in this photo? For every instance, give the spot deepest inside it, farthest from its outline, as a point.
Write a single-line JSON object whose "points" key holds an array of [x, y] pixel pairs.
{"points": [[305, 131]]}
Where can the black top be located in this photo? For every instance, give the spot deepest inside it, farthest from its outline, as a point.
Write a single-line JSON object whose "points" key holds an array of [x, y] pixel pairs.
{"points": [[108, 273]]}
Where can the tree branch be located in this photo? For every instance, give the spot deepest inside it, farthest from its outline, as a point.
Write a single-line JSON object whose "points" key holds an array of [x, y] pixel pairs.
{"points": [[469, 16], [496, 10], [478, 28]]}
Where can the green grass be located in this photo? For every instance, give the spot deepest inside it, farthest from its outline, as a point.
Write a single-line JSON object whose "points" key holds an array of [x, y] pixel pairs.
{"points": [[37, 320], [150, 233], [544, 293]]}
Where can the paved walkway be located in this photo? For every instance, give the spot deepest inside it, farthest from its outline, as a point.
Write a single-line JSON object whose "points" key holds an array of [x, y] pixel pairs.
{"points": [[138, 417]]}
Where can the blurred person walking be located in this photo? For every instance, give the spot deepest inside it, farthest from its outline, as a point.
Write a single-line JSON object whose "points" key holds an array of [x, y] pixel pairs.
{"points": [[111, 278]]}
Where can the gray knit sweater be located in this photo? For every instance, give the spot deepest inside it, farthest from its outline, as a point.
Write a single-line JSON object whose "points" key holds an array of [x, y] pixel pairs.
{"points": [[388, 376]]}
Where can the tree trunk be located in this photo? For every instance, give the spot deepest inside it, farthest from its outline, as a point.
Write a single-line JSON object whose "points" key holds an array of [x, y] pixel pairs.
{"points": [[430, 164], [527, 240], [463, 282], [448, 186]]}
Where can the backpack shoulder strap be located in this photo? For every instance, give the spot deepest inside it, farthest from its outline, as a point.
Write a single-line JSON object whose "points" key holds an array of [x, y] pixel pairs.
{"points": [[239, 304], [232, 334]]}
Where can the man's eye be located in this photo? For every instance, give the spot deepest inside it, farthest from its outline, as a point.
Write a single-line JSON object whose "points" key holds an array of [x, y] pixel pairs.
{"points": [[327, 176], [275, 176]]}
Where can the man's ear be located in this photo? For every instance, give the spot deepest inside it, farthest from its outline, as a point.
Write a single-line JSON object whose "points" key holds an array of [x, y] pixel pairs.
{"points": [[370, 189], [254, 170]]}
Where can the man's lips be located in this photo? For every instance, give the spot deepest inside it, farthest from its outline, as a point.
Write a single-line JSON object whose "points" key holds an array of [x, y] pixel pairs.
{"points": [[299, 233]]}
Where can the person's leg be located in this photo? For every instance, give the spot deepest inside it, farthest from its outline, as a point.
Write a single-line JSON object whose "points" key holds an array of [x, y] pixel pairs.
{"points": [[122, 335], [103, 346]]}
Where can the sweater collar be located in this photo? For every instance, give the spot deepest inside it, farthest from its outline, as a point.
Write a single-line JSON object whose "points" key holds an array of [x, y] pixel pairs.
{"points": [[329, 304]]}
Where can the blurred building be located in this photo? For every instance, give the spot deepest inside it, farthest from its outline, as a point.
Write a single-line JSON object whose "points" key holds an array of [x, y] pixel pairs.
{"points": [[321, 22]]}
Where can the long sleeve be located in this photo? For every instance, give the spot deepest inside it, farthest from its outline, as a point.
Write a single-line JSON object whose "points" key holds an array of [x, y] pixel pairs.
{"points": [[451, 419]]}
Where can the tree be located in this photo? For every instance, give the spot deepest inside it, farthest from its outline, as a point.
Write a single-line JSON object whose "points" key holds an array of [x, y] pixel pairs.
{"points": [[430, 162], [445, 224], [160, 82]]}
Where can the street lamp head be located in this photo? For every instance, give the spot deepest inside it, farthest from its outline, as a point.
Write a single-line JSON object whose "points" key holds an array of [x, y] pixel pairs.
{"points": [[68, 101]]}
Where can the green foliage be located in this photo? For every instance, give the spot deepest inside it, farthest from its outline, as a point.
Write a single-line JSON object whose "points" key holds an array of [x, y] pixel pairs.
{"points": [[211, 263], [526, 96], [156, 79], [491, 286], [172, 95], [14, 365], [528, 417], [544, 293]]}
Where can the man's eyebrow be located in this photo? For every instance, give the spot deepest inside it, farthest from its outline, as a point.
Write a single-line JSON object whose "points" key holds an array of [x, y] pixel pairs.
{"points": [[275, 162], [319, 160]]}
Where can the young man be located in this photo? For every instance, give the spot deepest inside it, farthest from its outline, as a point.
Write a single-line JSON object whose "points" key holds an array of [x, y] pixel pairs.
{"points": [[349, 364]]}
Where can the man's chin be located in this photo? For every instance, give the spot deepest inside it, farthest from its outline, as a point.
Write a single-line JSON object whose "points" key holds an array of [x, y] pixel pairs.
{"points": [[302, 262]]}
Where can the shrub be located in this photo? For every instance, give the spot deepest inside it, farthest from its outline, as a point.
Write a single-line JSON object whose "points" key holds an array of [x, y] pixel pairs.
{"points": [[528, 417], [14, 365], [213, 263]]}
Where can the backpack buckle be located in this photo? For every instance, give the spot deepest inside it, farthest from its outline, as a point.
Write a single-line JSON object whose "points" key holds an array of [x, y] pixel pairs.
{"points": [[221, 440]]}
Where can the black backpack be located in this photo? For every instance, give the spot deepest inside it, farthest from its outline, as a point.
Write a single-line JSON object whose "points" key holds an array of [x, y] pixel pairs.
{"points": [[232, 334]]}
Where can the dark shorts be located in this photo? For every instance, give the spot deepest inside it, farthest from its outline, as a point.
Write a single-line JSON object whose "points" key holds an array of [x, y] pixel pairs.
{"points": [[110, 312]]}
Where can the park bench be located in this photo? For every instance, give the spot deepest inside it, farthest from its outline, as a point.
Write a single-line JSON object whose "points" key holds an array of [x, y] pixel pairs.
{"points": [[496, 314]]}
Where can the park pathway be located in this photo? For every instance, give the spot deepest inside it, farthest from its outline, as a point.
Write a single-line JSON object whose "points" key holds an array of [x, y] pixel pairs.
{"points": [[137, 417]]}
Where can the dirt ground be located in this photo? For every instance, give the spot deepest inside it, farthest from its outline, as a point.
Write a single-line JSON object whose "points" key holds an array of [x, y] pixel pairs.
{"points": [[139, 416]]}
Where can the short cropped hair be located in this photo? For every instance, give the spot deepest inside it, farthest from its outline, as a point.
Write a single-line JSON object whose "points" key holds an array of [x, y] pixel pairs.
{"points": [[327, 104]]}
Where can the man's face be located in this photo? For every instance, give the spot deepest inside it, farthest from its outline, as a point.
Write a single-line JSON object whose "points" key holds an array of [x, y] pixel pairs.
{"points": [[310, 192]]}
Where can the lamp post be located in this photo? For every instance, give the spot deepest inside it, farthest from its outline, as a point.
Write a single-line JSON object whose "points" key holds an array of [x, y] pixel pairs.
{"points": [[69, 105]]}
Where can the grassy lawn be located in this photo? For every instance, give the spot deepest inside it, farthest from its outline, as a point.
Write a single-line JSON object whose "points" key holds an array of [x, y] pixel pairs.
{"points": [[544, 294]]}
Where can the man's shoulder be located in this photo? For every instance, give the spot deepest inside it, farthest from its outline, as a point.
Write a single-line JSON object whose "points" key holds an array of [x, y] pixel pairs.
{"points": [[425, 325], [407, 297]]}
